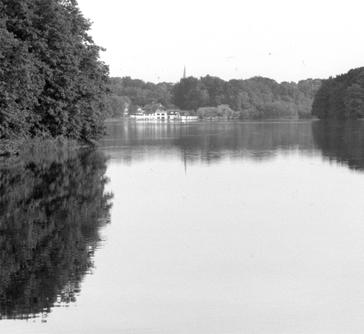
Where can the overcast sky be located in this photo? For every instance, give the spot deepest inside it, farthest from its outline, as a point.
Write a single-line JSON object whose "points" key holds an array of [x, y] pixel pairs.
{"points": [[287, 40]]}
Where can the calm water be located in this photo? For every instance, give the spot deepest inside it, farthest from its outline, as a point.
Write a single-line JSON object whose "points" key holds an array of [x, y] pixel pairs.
{"points": [[188, 228]]}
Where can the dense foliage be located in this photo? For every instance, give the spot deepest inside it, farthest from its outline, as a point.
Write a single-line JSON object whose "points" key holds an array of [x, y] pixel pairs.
{"points": [[341, 97], [50, 215], [252, 98], [129, 93], [51, 80]]}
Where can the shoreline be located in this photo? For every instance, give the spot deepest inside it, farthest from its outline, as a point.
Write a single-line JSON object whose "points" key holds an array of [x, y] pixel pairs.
{"points": [[208, 120], [36, 149], [29, 148]]}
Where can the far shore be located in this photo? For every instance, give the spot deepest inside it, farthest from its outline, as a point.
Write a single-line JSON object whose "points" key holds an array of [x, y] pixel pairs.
{"points": [[247, 120]]}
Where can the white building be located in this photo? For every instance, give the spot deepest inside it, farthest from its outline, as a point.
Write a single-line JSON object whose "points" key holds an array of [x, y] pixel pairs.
{"points": [[162, 115], [174, 115], [189, 118]]}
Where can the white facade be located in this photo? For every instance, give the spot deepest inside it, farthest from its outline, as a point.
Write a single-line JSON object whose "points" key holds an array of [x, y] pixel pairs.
{"points": [[189, 118], [174, 115], [162, 115]]}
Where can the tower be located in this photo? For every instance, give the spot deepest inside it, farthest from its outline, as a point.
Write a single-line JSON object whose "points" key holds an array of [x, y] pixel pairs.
{"points": [[184, 72]]}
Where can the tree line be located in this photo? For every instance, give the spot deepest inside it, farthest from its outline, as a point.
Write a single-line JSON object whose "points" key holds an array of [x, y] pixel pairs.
{"points": [[341, 97], [211, 96], [52, 82], [129, 93]]}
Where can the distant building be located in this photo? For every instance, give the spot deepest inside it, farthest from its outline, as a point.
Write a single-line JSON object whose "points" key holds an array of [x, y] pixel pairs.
{"points": [[161, 114], [126, 110], [139, 111], [174, 115], [189, 118]]}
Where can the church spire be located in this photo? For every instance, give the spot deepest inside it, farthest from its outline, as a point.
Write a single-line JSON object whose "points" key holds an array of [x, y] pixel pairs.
{"points": [[184, 72]]}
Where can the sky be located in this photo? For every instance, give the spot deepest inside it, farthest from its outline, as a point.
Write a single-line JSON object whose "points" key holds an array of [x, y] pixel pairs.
{"points": [[286, 40]]}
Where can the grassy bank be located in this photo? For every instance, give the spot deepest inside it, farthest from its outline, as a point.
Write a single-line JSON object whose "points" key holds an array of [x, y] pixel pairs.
{"points": [[37, 149]]}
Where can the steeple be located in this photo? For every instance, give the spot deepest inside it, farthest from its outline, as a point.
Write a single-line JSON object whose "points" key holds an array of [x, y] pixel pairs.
{"points": [[184, 72]]}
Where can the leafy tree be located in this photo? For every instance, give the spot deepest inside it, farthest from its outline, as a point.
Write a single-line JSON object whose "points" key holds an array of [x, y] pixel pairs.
{"points": [[215, 88], [221, 111], [20, 78], [354, 101], [52, 82], [116, 105], [253, 98], [190, 94], [341, 97], [141, 93]]}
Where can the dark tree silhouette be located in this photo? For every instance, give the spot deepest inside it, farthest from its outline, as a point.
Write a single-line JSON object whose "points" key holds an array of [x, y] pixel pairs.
{"points": [[190, 94], [341, 97]]}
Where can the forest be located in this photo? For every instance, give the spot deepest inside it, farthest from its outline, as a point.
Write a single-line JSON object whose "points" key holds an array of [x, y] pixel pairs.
{"points": [[210, 96], [52, 82], [341, 97]]}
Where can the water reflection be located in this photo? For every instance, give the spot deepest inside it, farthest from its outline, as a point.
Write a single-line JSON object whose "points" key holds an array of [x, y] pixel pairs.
{"points": [[262, 235], [208, 142], [239, 242], [342, 142], [51, 212]]}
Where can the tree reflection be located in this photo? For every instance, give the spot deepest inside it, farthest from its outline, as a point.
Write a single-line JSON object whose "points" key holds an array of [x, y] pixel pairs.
{"points": [[342, 142], [50, 216], [207, 142]]}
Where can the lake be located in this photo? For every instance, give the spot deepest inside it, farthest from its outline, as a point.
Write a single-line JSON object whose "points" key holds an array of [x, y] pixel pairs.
{"points": [[193, 228]]}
